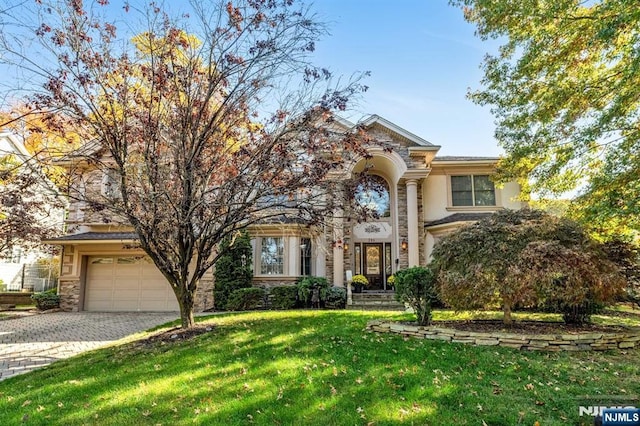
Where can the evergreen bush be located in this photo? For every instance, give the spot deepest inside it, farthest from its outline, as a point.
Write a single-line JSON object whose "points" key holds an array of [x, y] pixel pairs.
{"points": [[231, 271], [246, 299], [284, 297], [417, 287]]}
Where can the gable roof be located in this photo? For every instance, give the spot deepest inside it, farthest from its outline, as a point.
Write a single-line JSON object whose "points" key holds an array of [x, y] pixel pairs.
{"points": [[376, 120]]}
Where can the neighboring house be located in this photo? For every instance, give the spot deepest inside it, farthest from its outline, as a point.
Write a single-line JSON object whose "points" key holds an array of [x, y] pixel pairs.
{"points": [[36, 210], [424, 197]]}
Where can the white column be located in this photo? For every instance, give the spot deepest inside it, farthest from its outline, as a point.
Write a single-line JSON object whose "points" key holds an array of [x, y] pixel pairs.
{"points": [[412, 222], [338, 251]]}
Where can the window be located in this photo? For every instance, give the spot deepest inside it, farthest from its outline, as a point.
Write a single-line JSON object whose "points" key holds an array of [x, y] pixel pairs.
{"points": [[373, 196], [305, 256], [272, 256], [111, 184], [472, 190]]}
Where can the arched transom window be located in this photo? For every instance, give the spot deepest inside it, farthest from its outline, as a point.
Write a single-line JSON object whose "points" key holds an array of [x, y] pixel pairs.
{"points": [[373, 195]]}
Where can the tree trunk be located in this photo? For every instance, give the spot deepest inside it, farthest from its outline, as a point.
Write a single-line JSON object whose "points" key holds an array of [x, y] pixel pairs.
{"points": [[185, 300], [507, 313]]}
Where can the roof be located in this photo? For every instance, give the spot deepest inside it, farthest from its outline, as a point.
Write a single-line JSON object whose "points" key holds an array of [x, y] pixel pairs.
{"points": [[464, 158], [386, 124], [457, 217], [282, 219], [94, 236], [87, 150]]}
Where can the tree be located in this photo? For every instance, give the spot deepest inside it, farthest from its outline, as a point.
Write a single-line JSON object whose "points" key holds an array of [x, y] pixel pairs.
{"points": [[206, 123], [565, 90], [233, 268], [626, 256], [45, 137], [575, 280], [523, 257]]}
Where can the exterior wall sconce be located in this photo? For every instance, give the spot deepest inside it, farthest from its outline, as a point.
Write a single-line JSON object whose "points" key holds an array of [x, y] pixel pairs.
{"points": [[404, 244], [346, 245]]}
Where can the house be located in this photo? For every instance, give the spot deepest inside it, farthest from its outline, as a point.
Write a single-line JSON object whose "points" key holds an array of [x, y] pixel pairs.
{"points": [[422, 197], [30, 209]]}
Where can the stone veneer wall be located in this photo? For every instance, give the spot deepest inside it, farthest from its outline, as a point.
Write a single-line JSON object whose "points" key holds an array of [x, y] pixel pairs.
{"points": [[69, 295], [592, 341], [403, 255], [273, 282], [69, 288], [203, 298]]}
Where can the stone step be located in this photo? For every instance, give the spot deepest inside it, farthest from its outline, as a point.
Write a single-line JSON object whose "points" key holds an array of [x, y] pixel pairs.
{"points": [[376, 302], [358, 307], [385, 296]]}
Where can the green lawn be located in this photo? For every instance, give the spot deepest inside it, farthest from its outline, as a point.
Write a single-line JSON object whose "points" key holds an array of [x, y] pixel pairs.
{"points": [[316, 368]]}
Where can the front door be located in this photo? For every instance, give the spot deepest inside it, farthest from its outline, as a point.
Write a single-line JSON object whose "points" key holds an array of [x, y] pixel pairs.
{"points": [[373, 266]]}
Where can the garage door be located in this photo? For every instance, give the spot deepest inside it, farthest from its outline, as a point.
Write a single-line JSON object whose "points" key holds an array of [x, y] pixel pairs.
{"points": [[126, 283]]}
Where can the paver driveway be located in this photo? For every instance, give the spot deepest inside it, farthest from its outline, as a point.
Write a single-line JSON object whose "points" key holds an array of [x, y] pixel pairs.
{"points": [[31, 342]]}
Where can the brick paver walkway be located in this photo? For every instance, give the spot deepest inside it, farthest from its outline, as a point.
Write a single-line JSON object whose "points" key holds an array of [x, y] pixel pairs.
{"points": [[33, 341]]}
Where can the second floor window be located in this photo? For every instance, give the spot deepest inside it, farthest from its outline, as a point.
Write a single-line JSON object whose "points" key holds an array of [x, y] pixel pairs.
{"points": [[373, 196], [472, 190], [111, 184]]}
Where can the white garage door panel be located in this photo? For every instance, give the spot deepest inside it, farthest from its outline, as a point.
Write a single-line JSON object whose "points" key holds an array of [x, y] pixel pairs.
{"points": [[126, 283]]}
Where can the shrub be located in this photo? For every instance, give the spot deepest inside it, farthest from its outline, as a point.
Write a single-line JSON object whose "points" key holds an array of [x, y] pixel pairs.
{"points": [[516, 258], [245, 299], [307, 284], [284, 297], [336, 298], [46, 300], [360, 280], [573, 281], [627, 258], [417, 287], [231, 273], [391, 280]]}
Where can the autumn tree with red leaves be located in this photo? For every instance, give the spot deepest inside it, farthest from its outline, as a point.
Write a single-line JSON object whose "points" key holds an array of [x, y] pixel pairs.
{"points": [[209, 122]]}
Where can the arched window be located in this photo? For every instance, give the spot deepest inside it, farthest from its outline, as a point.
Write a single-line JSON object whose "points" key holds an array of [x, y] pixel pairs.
{"points": [[373, 195]]}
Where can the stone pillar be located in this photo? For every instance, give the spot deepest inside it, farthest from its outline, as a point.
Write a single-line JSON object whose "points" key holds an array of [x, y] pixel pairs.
{"points": [[338, 250], [413, 235]]}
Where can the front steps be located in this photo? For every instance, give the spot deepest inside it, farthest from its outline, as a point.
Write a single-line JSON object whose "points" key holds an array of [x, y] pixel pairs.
{"points": [[375, 301]]}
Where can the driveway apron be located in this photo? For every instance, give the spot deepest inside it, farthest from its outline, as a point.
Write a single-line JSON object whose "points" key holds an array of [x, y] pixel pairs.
{"points": [[34, 341]]}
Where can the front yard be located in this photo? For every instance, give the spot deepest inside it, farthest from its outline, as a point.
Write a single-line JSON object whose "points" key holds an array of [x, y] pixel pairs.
{"points": [[318, 367]]}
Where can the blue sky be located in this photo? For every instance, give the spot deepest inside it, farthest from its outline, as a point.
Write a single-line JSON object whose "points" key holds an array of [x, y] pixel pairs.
{"points": [[423, 57]]}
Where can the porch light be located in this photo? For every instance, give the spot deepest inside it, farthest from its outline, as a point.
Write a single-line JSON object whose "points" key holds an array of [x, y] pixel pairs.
{"points": [[345, 245], [404, 244]]}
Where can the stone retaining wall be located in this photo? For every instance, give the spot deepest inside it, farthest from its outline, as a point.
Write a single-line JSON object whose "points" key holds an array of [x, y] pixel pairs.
{"points": [[591, 341], [14, 298]]}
